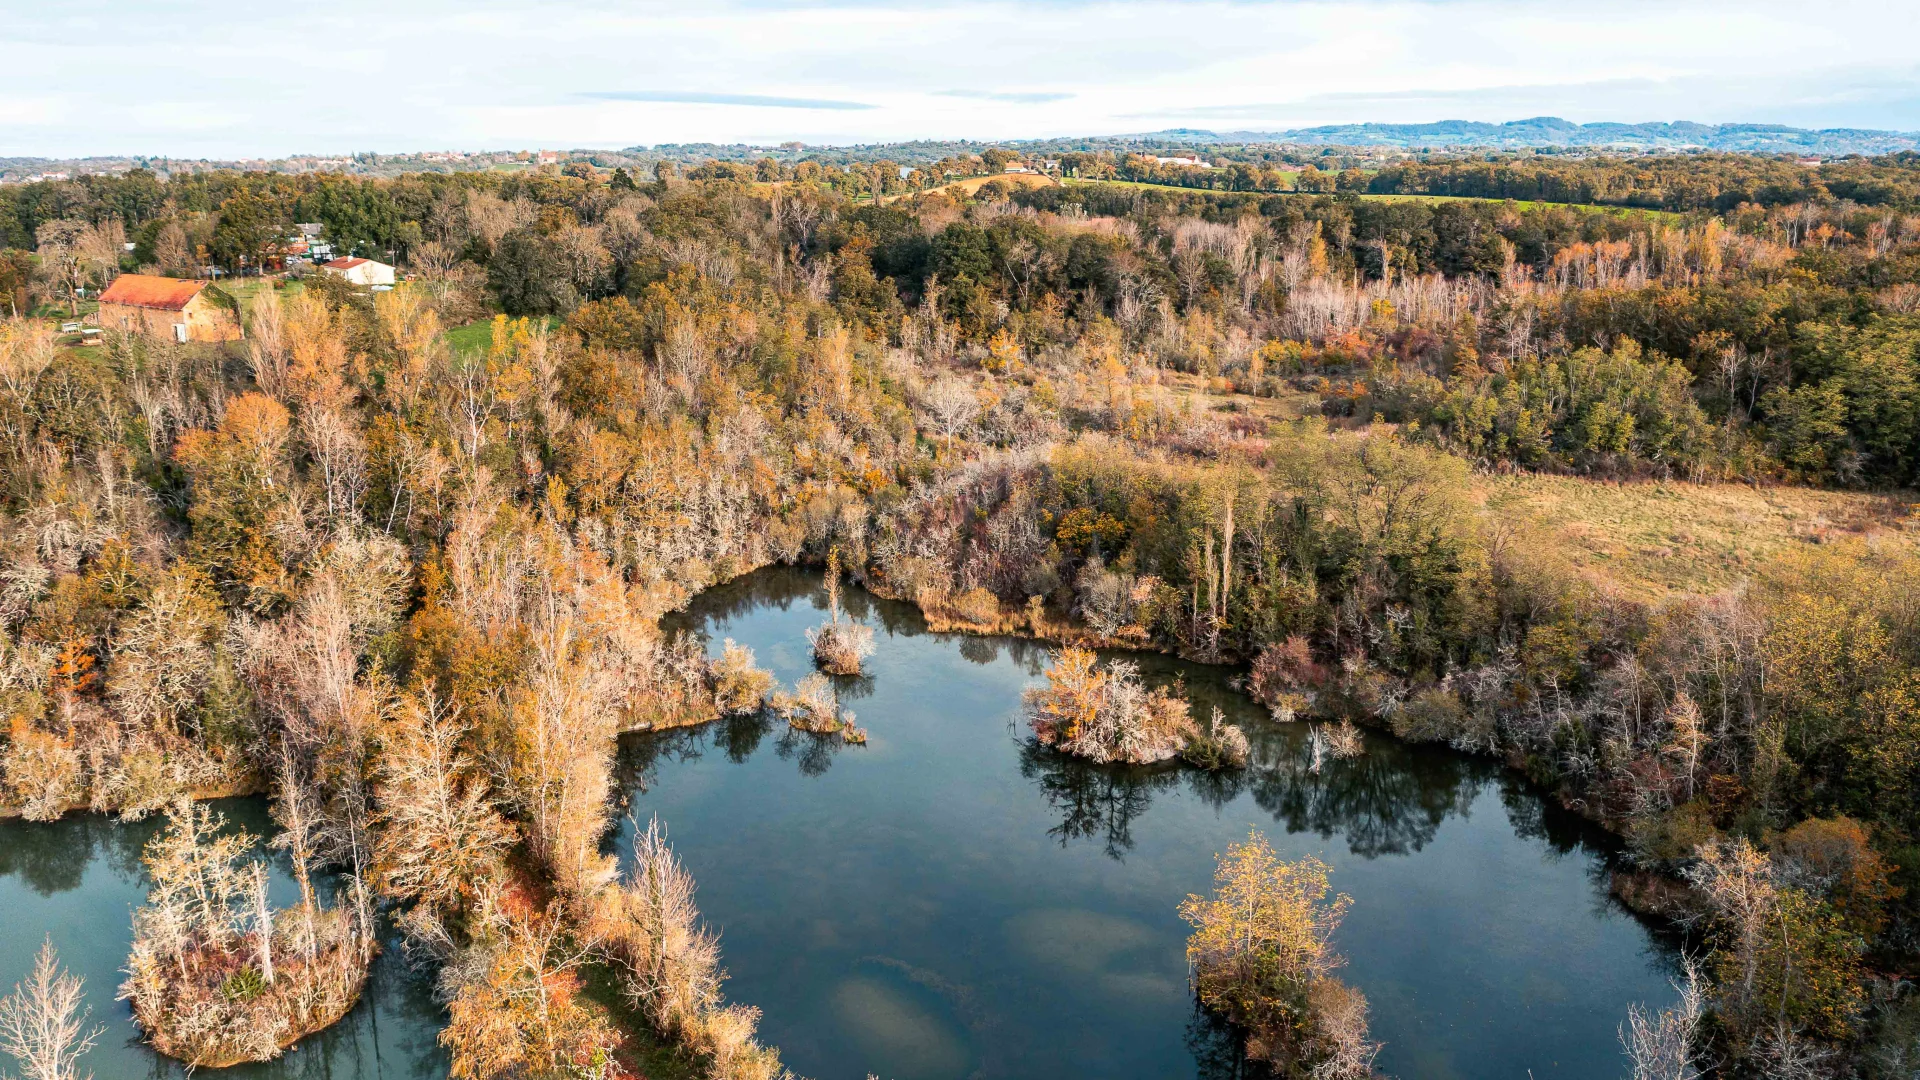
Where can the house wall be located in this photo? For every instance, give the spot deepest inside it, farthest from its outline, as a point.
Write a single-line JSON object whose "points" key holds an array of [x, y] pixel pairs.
{"points": [[206, 320]]}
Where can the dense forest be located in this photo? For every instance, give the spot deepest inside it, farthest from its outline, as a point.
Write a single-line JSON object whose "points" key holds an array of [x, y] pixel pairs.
{"points": [[408, 582]]}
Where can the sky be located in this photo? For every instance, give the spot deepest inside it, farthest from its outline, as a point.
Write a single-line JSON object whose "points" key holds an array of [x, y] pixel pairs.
{"points": [[191, 78]]}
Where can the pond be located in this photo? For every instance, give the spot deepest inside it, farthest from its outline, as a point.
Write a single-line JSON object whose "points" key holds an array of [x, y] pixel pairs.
{"points": [[952, 900], [77, 882]]}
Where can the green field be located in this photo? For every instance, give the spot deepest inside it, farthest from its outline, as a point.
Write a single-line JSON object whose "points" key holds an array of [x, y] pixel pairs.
{"points": [[246, 291], [477, 337]]}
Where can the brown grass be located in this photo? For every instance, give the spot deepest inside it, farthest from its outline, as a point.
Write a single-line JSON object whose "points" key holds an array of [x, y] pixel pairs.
{"points": [[1652, 539]]}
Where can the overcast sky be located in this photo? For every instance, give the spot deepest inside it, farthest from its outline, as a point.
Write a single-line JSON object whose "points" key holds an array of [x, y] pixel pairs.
{"points": [[190, 78]]}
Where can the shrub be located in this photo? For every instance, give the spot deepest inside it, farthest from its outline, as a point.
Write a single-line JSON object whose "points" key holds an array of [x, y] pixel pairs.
{"points": [[42, 772], [738, 686], [1281, 672], [1669, 839], [840, 648], [1433, 715], [1344, 740], [1220, 746], [1107, 715], [812, 706], [976, 605]]}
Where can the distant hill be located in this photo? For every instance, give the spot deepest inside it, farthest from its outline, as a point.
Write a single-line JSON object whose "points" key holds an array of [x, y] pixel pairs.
{"points": [[1363, 143], [1544, 131]]}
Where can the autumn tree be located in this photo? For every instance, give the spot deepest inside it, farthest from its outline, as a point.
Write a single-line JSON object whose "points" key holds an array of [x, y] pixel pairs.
{"points": [[241, 493], [514, 1001], [1262, 953], [1786, 963]]}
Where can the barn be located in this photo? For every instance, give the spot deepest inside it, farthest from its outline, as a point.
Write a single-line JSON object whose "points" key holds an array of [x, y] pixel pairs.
{"points": [[176, 308]]}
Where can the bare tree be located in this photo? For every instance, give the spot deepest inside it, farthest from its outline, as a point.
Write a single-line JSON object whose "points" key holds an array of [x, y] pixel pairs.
{"points": [[100, 248], [340, 453], [43, 1023], [438, 834], [63, 262], [1661, 1047], [952, 404], [173, 251], [432, 260], [1736, 880], [672, 962]]}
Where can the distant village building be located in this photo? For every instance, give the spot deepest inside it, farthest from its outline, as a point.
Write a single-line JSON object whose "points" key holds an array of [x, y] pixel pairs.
{"points": [[1809, 162], [1183, 162], [360, 271], [175, 308]]}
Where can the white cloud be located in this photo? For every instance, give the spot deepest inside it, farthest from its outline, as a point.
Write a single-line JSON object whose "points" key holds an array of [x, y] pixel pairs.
{"points": [[194, 77]]}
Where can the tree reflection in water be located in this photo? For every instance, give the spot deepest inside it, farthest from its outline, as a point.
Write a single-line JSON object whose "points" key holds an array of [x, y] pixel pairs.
{"points": [[811, 751], [931, 851], [1094, 801], [1219, 1048], [639, 756], [1389, 801], [52, 856], [781, 588]]}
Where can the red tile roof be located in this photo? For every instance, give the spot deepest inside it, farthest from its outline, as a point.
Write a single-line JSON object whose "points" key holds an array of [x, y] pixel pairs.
{"points": [[347, 263], [143, 290]]}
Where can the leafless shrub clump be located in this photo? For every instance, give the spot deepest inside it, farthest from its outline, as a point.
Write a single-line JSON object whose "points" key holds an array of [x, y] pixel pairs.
{"points": [[1108, 715], [840, 648], [1344, 741], [1220, 746], [840, 645], [812, 707]]}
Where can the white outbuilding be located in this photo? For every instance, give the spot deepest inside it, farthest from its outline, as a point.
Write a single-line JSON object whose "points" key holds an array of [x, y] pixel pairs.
{"points": [[360, 271]]}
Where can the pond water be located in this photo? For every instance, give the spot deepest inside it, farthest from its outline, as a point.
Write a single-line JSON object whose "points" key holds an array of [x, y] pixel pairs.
{"points": [[952, 900], [77, 882]]}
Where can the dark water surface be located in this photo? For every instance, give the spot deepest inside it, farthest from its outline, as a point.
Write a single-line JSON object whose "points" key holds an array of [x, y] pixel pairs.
{"points": [[952, 901], [78, 881]]}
